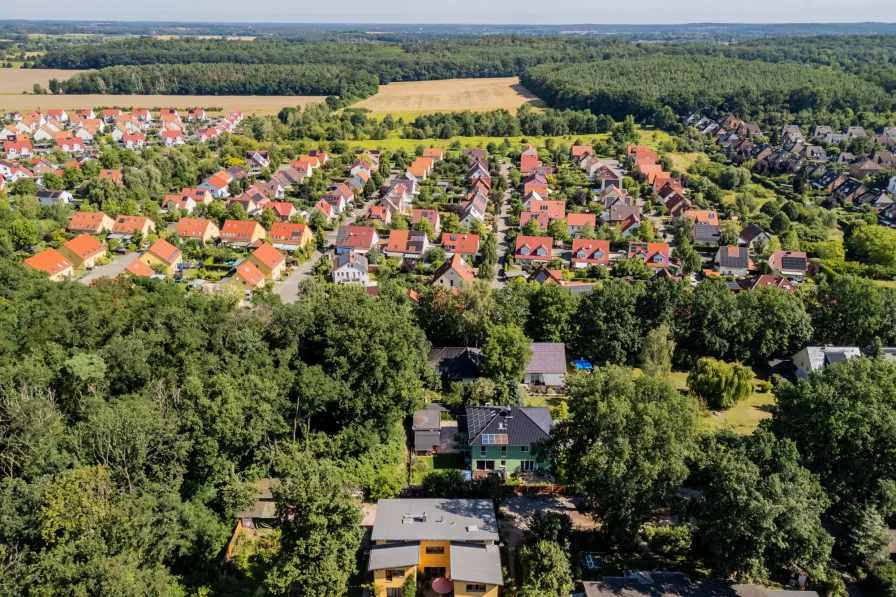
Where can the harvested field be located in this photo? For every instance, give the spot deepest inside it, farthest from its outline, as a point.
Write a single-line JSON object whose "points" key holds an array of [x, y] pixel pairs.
{"points": [[17, 80], [261, 105], [419, 97]]}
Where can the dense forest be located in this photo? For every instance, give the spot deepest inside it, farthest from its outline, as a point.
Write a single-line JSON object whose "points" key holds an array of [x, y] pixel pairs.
{"points": [[226, 79], [688, 84], [765, 79]]}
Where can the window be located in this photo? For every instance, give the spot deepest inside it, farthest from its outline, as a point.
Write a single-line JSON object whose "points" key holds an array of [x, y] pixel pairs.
{"points": [[527, 465], [503, 464], [393, 574], [504, 451], [524, 449], [482, 452], [436, 550], [394, 592], [475, 588]]}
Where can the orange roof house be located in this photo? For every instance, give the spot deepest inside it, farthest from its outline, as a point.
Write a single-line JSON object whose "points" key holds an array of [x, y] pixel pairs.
{"points": [[113, 175], [590, 252], [139, 269], [51, 262], [84, 222], [269, 261], [126, 226], [242, 232], [248, 275], [454, 273], [83, 251], [455, 243], [197, 228], [163, 253], [433, 152], [533, 249], [654, 254], [288, 236]]}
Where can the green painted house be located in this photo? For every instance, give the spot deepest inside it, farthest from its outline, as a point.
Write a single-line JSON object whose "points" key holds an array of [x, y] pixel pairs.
{"points": [[500, 438]]}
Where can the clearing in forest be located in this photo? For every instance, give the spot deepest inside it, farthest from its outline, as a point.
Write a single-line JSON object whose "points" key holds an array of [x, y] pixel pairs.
{"points": [[418, 97]]}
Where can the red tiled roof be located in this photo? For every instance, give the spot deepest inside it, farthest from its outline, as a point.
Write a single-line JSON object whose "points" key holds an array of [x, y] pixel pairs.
{"points": [[239, 229], [84, 221], [466, 244], [165, 251], [268, 255], [288, 232], [138, 268], [50, 261], [192, 227], [85, 246], [251, 274]]}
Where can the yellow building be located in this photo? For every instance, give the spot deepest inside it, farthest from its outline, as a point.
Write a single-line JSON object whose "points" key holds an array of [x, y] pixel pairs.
{"points": [[269, 260], [83, 251], [450, 545], [164, 253], [52, 263]]}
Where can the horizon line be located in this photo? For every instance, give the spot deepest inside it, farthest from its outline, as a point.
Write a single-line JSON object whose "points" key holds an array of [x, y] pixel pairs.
{"points": [[413, 24]]}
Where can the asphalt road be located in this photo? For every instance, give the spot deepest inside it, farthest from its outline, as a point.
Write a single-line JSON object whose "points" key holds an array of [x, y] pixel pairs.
{"points": [[110, 270], [501, 234]]}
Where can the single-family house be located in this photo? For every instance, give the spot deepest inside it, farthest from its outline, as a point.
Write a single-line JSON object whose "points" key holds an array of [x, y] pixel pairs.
{"points": [[450, 544], [51, 262], [350, 268], [269, 260], [287, 236], [430, 215], [83, 251], [733, 261], [48, 197], [501, 438], [217, 184], [200, 229], [90, 223], [751, 234], [248, 276], [575, 222], [547, 365], [380, 214], [165, 254], [242, 233], [655, 255], [766, 281], [285, 210], [456, 243], [456, 363], [15, 149], [407, 243], [586, 253], [814, 358], [532, 249], [789, 264], [454, 273], [125, 227], [707, 227], [113, 175], [356, 238]]}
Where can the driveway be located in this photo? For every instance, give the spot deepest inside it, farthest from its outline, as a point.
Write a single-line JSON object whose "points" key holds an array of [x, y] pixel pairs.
{"points": [[110, 270]]}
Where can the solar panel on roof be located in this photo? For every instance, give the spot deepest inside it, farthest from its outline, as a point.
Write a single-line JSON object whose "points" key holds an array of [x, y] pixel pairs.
{"points": [[793, 263], [494, 439]]}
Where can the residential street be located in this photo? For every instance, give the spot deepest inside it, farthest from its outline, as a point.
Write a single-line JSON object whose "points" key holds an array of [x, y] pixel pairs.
{"points": [[498, 282], [110, 270]]}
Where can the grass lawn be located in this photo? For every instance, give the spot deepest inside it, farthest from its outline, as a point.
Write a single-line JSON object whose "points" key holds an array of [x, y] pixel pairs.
{"points": [[423, 465], [743, 417], [887, 283], [682, 161], [543, 400]]}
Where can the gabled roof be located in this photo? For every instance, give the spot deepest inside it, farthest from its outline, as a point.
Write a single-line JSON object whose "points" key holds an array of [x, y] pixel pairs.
{"points": [[733, 257], [268, 255], [508, 425], [251, 274], [751, 232], [547, 357], [533, 243], [128, 224], [288, 232], [139, 269], [466, 244], [85, 246], [50, 261], [349, 257], [165, 251], [239, 229], [356, 237], [193, 227], [788, 261], [456, 263], [576, 219], [84, 221], [431, 215]]}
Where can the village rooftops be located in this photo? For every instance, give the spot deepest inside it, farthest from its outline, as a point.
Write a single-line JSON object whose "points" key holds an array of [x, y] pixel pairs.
{"points": [[435, 520]]}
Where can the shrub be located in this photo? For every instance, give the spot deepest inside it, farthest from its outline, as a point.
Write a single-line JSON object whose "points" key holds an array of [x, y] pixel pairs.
{"points": [[721, 384]]}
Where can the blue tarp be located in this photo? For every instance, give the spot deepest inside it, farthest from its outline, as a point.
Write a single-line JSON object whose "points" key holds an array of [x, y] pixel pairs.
{"points": [[583, 364]]}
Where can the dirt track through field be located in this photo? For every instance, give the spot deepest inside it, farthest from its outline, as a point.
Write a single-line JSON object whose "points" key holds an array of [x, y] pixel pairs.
{"points": [[452, 94]]}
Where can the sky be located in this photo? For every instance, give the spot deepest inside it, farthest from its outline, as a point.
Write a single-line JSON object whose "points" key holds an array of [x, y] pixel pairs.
{"points": [[545, 12]]}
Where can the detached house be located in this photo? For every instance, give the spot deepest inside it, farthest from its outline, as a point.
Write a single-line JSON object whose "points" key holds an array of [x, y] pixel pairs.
{"points": [[356, 238], [83, 251], [407, 243], [707, 228], [269, 261], [532, 249], [242, 233], [547, 365], [465, 245], [287, 236], [248, 276], [789, 264], [451, 543], [350, 268], [733, 261], [430, 215], [576, 222], [90, 223], [165, 254], [198, 229], [18, 149], [586, 253], [217, 184], [500, 438], [51, 262], [125, 227], [815, 358], [454, 273], [655, 255]]}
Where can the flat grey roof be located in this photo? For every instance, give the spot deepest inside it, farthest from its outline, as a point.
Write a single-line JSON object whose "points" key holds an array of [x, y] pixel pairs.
{"points": [[427, 420], [396, 555], [435, 519], [471, 562]]}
